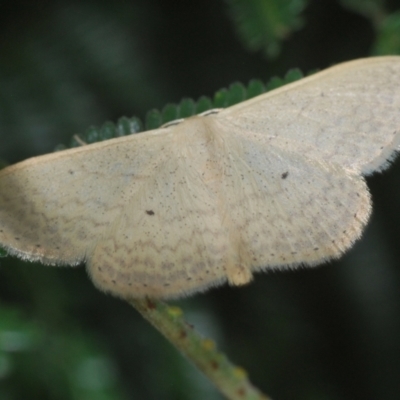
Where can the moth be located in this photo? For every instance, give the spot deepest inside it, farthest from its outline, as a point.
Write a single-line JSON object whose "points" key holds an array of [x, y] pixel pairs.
{"points": [[274, 182]]}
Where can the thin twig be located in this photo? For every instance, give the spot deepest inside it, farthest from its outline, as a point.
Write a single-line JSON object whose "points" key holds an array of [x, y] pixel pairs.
{"points": [[231, 380]]}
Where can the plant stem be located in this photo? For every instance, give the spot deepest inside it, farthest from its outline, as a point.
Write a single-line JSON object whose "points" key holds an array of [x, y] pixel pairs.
{"points": [[231, 380]]}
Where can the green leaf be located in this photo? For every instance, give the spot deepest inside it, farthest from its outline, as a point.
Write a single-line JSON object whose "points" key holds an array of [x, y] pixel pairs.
{"points": [[187, 108], [153, 119], [388, 38], [127, 126], [92, 135], [170, 113], [255, 88], [371, 9], [108, 131], [203, 104], [236, 93], [263, 24], [221, 98]]}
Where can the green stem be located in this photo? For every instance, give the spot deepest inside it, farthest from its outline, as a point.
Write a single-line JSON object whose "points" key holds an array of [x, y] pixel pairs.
{"points": [[231, 380]]}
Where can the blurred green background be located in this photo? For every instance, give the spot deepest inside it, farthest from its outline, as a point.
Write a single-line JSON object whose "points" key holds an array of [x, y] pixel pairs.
{"points": [[331, 332]]}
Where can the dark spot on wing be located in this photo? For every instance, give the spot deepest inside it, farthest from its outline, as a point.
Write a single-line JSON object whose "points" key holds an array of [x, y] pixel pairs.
{"points": [[285, 175], [149, 212]]}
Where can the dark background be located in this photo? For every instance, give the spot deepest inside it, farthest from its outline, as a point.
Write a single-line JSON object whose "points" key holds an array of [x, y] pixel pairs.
{"points": [[331, 332]]}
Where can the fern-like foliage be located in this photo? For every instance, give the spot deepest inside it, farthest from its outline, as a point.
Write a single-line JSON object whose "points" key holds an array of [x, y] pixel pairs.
{"points": [[187, 107]]}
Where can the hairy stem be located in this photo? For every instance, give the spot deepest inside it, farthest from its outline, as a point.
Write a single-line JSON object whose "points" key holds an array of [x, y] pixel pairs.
{"points": [[231, 380]]}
